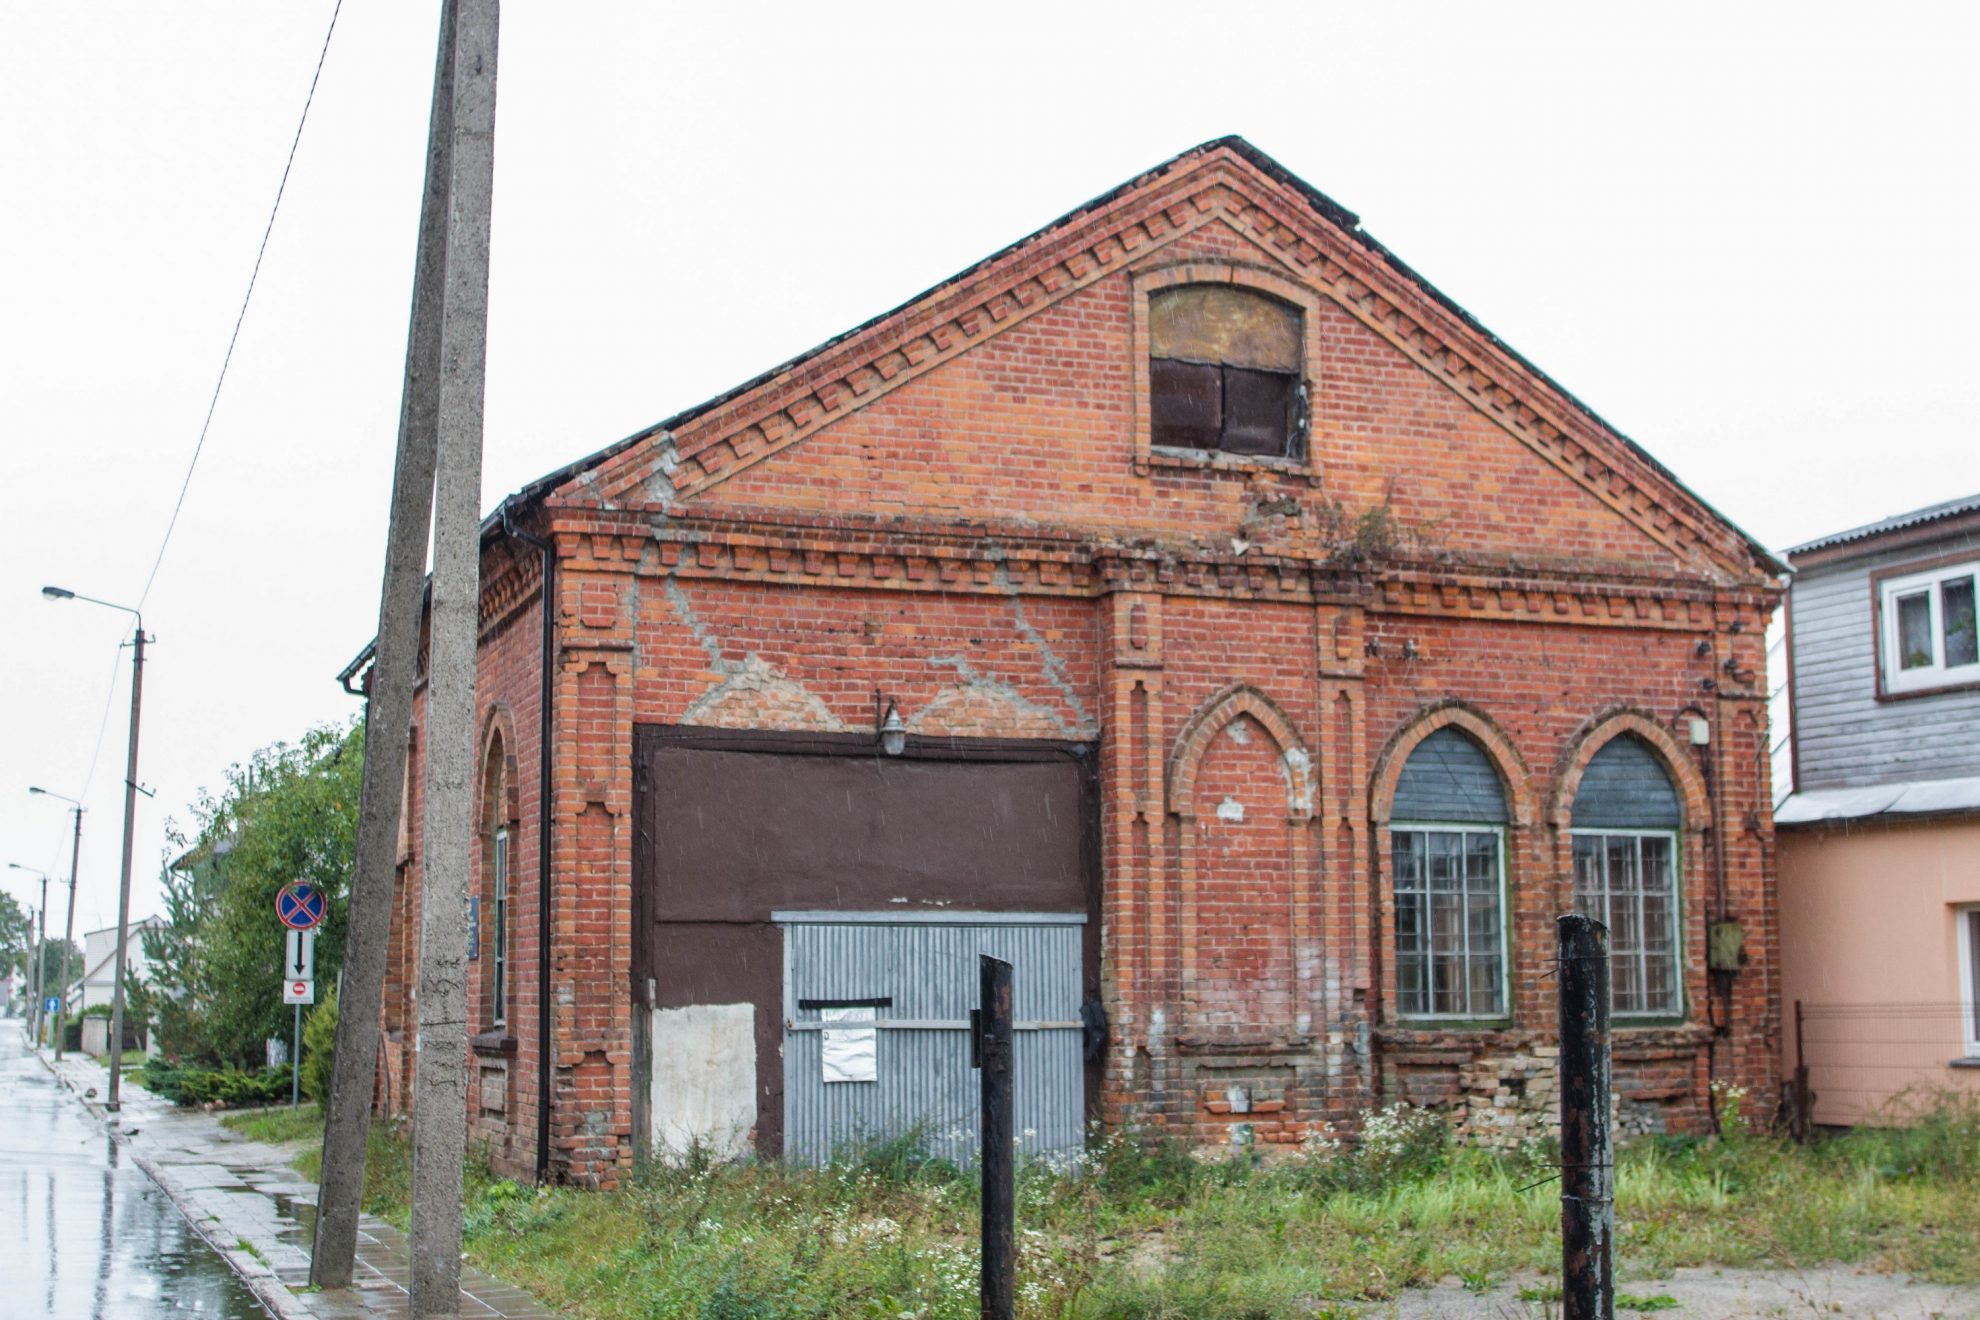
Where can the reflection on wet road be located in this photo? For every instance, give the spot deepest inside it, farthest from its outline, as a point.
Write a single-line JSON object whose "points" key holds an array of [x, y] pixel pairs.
{"points": [[83, 1231]]}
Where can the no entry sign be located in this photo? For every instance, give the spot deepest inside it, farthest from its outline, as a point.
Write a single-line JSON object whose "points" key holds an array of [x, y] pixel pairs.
{"points": [[300, 906]]}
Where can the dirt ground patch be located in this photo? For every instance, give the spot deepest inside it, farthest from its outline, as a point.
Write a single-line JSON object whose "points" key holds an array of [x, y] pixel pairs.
{"points": [[1716, 1294]]}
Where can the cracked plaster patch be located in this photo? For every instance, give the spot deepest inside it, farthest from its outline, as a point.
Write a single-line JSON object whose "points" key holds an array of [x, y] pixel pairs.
{"points": [[753, 694], [982, 706]]}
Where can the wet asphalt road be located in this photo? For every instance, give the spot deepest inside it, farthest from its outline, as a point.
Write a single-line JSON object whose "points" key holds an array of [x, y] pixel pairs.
{"points": [[84, 1232]]}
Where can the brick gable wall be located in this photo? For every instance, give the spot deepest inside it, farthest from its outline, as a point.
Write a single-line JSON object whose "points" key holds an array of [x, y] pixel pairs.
{"points": [[968, 527]]}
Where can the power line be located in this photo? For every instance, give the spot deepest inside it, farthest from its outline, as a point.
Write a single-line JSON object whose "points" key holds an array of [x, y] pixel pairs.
{"points": [[103, 724], [234, 338]]}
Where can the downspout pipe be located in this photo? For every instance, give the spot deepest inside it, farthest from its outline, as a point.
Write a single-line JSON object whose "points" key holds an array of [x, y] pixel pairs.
{"points": [[548, 550]]}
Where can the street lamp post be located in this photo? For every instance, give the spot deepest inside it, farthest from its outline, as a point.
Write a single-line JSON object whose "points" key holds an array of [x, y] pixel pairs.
{"points": [[40, 948], [113, 1103], [69, 932]]}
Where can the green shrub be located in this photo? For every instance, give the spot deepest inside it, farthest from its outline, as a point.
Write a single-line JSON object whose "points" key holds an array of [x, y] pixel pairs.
{"points": [[1399, 1145], [319, 1043], [230, 1088]]}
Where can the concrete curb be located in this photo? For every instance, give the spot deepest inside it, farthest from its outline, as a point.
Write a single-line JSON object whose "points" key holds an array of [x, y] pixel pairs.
{"points": [[260, 1278]]}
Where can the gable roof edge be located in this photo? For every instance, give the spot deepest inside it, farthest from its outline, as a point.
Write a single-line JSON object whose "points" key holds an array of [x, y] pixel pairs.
{"points": [[1348, 222]]}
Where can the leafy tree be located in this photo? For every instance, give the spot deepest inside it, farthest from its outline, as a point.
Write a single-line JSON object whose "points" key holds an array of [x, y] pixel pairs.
{"points": [[51, 964], [289, 815], [16, 936]]}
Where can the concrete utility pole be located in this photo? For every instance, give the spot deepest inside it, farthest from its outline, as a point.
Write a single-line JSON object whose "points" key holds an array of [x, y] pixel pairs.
{"points": [[440, 1083], [69, 934], [114, 1102], [36, 946], [68, 931], [40, 976], [387, 718]]}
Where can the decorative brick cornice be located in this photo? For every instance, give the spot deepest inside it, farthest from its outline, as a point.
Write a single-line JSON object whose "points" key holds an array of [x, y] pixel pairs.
{"points": [[904, 555], [1126, 232], [506, 589]]}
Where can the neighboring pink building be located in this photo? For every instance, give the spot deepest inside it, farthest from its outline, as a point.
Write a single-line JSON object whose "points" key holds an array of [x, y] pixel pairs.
{"points": [[1879, 844]]}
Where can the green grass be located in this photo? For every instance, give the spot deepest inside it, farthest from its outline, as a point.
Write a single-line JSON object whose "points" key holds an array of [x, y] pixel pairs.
{"points": [[1142, 1231], [277, 1126], [387, 1160]]}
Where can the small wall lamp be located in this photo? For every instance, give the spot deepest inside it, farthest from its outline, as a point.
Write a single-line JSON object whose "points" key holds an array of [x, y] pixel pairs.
{"points": [[889, 728]]}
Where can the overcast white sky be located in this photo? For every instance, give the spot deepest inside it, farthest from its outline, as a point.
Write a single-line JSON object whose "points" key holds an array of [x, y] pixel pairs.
{"points": [[1743, 234]]}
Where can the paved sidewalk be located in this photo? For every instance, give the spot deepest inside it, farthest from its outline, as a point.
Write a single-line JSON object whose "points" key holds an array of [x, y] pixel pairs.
{"points": [[245, 1199]]}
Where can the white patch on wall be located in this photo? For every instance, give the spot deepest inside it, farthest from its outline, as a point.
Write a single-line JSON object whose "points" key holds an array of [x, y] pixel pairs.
{"points": [[1232, 810], [704, 1080], [1299, 772], [1238, 733], [850, 1053]]}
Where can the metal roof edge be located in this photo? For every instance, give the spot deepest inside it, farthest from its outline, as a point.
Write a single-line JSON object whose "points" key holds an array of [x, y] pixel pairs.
{"points": [[1896, 522]]}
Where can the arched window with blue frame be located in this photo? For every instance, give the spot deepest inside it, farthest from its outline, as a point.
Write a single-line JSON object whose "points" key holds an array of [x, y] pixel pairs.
{"points": [[1447, 846], [1626, 825]]}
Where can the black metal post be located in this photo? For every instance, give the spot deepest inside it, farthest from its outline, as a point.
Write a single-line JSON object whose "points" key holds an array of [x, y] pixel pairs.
{"points": [[1587, 1167], [993, 1052]]}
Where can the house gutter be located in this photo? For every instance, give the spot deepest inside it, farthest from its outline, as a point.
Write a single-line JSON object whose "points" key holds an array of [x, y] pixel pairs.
{"points": [[548, 550]]}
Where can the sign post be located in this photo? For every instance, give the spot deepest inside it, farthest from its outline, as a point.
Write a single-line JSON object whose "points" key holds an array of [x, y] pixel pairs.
{"points": [[301, 908]]}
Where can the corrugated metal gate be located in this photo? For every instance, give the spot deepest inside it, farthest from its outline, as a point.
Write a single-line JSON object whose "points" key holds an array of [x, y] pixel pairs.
{"points": [[918, 973]]}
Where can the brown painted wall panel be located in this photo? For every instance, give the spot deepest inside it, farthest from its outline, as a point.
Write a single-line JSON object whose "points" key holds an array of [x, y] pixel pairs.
{"points": [[740, 835], [732, 963]]}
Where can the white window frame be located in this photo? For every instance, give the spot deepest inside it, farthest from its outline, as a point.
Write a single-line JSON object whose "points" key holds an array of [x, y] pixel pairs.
{"points": [[499, 945], [1498, 832], [1968, 918], [1675, 841], [1938, 673]]}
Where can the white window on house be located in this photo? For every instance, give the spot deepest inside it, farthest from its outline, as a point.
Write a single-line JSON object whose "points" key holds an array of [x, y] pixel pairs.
{"points": [[1969, 979], [1448, 876], [1625, 828], [1928, 636], [499, 972]]}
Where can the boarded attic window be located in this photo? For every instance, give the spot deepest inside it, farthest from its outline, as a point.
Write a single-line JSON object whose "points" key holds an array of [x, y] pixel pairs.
{"points": [[1224, 372]]}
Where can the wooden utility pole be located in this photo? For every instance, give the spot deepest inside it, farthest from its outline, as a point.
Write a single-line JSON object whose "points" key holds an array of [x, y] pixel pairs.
{"points": [[387, 719], [440, 1082], [1588, 1215]]}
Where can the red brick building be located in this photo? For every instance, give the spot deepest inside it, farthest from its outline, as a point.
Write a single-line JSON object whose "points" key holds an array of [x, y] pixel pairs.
{"points": [[1276, 654]]}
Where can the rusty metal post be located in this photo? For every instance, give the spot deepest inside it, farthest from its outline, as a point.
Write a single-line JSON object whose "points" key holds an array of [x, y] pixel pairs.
{"points": [[1587, 1164], [999, 1150], [1801, 1102]]}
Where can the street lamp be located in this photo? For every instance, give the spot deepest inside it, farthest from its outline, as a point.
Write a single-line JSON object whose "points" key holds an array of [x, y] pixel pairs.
{"points": [[40, 947], [113, 1103], [69, 933]]}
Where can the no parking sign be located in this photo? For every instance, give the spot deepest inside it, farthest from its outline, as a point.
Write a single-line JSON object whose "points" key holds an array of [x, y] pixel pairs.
{"points": [[301, 906]]}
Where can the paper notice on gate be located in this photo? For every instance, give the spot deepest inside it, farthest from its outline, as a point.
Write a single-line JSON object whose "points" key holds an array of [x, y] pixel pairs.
{"points": [[850, 1053]]}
